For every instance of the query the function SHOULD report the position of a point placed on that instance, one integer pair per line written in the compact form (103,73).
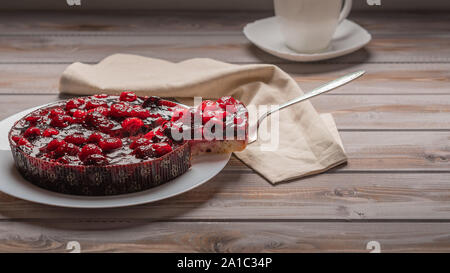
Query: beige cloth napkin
(308,144)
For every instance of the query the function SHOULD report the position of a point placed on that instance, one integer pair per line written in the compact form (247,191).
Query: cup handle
(345,10)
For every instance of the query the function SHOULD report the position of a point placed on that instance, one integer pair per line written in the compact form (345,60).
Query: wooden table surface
(394,123)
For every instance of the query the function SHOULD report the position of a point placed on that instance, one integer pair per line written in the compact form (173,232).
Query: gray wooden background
(206,4)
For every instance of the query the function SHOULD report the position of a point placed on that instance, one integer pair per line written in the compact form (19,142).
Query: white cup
(308,25)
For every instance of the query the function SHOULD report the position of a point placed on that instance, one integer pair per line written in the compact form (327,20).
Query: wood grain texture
(224,237)
(379,78)
(231,48)
(237,196)
(187,22)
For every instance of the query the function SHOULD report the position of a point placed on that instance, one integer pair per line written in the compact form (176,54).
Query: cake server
(253,128)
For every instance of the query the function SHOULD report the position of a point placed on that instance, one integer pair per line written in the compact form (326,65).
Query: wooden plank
(224,237)
(379,79)
(238,196)
(230,48)
(352,112)
(144,22)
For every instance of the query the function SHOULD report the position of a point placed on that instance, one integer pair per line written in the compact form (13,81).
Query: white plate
(203,169)
(265,34)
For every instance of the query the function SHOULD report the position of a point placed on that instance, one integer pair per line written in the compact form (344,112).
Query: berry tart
(107,145)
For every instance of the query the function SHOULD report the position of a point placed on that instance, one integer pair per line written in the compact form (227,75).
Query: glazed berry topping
(139,142)
(102,110)
(91,104)
(77,139)
(95,138)
(161,148)
(95,159)
(128,96)
(110,144)
(120,110)
(32,132)
(50,132)
(89,149)
(132,125)
(74,104)
(54,144)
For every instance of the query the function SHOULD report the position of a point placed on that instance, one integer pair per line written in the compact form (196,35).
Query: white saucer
(265,34)
(12,183)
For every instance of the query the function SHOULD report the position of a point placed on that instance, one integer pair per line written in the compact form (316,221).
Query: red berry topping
(97,120)
(110,144)
(208,105)
(95,138)
(102,110)
(16,138)
(95,159)
(33,119)
(50,132)
(56,112)
(144,151)
(151,101)
(155,135)
(61,121)
(66,149)
(32,132)
(91,104)
(77,139)
(24,142)
(161,148)
(54,144)
(132,125)
(88,150)
(120,110)
(139,142)
(128,96)
(227,100)
(140,113)
(74,104)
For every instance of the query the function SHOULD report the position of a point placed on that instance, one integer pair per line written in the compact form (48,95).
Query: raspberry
(79,116)
(60,121)
(102,110)
(227,100)
(33,119)
(132,125)
(74,104)
(32,132)
(140,113)
(128,96)
(24,142)
(97,120)
(144,151)
(120,110)
(15,138)
(110,144)
(95,159)
(139,142)
(155,135)
(88,150)
(207,115)
(161,148)
(56,112)
(208,105)
(67,148)
(95,138)
(50,132)
(54,144)
(77,139)
(159,121)
(93,103)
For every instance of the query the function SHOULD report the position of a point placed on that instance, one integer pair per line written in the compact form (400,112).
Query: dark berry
(67,149)
(110,144)
(77,139)
(95,159)
(128,96)
(50,132)
(88,150)
(144,151)
(132,125)
(32,132)
(95,138)
(139,142)
(151,102)
(161,148)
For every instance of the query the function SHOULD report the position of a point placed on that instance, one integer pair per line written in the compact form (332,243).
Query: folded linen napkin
(307,144)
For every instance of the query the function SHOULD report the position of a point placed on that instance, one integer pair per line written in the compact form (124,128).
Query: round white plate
(266,35)
(203,169)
